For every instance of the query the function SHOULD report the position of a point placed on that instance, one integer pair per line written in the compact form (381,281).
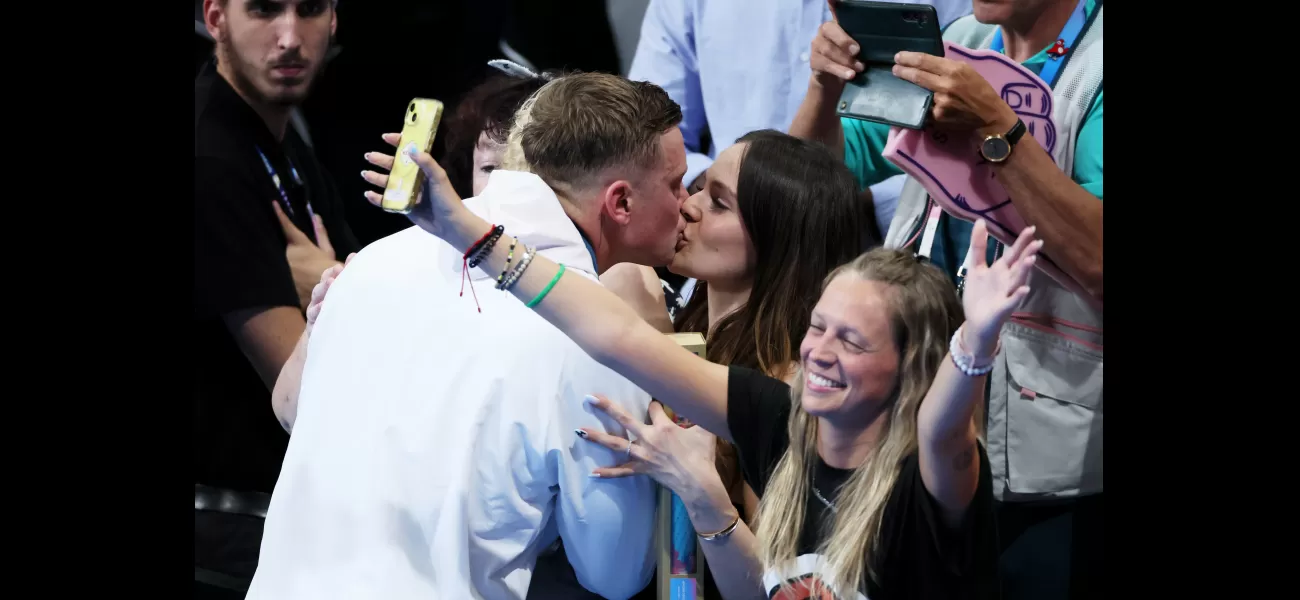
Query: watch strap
(1017,131)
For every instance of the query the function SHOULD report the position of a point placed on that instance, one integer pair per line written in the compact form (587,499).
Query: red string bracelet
(464,272)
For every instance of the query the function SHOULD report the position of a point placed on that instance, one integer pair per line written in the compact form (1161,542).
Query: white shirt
(434,453)
(735,66)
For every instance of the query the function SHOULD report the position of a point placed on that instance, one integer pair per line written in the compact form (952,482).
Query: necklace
(828,503)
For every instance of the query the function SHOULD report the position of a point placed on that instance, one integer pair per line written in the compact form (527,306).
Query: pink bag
(951,168)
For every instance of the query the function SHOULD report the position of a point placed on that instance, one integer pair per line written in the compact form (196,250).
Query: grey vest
(1045,414)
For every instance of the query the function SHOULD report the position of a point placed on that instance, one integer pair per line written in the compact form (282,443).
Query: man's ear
(616,202)
(334,19)
(213,18)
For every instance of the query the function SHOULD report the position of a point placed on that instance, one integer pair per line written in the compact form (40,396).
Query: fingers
(613,472)
(1021,269)
(925,79)
(836,35)
(379,180)
(392,139)
(925,62)
(322,236)
(834,52)
(381,160)
(291,231)
(1017,297)
(317,297)
(613,442)
(620,415)
(374,198)
(657,414)
(977,254)
(432,170)
(1017,249)
(349,260)
(331,273)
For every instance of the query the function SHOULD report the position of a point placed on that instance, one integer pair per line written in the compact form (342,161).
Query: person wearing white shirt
(433,452)
(736,66)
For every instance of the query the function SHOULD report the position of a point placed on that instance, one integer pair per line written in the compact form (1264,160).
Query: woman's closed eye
(488,168)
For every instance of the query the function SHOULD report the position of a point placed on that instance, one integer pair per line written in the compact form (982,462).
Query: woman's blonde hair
(925,311)
(513,158)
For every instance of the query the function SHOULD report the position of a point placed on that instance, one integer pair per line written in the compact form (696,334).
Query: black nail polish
(582,434)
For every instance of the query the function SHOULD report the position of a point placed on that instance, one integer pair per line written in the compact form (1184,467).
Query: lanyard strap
(1069,35)
(1051,70)
(279,186)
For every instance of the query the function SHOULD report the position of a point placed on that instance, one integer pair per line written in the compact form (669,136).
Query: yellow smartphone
(418,129)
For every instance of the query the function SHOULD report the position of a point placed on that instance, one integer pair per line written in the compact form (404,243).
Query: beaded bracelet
(486,249)
(964,360)
(518,271)
(509,257)
(479,244)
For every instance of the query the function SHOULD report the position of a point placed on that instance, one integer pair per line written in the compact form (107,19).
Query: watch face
(995,149)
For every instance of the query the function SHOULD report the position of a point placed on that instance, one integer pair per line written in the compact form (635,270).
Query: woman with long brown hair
(774,216)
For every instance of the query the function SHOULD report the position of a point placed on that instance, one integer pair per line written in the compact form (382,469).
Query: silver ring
(629,450)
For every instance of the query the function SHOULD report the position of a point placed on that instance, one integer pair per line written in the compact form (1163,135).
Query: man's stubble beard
(240,70)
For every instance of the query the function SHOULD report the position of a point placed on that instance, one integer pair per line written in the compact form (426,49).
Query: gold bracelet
(726,531)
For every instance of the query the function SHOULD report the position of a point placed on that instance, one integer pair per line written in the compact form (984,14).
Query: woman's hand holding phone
(436,203)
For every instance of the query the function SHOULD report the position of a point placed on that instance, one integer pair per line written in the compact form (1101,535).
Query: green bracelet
(547,289)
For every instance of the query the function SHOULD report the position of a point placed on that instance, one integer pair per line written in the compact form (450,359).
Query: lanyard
(1066,41)
(284,196)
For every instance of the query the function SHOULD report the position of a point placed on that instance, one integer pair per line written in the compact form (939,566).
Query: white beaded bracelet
(964,360)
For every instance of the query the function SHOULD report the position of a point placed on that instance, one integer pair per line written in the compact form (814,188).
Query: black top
(239,263)
(920,557)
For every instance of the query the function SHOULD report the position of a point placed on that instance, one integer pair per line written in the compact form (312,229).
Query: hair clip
(514,69)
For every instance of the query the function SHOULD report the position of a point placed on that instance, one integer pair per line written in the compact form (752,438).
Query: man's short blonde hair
(578,125)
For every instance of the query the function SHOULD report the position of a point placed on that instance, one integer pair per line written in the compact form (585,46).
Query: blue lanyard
(590,250)
(1068,37)
(279,187)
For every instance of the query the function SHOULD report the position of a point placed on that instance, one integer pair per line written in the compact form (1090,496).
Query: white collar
(530,211)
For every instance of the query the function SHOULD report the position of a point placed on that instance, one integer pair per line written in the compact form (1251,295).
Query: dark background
(389,51)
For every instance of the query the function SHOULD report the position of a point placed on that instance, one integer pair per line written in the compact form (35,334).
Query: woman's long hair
(925,312)
(801,208)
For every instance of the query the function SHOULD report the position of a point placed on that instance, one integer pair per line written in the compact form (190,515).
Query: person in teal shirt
(1052,545)
(864,142)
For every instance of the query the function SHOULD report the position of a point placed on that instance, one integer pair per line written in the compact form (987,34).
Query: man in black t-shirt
(259,193)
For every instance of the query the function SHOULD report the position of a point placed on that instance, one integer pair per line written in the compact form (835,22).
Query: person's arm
(607,526)
(267,337)
(601,324)
(1067,215)
(612,333)
(240,270)
(946,428)
(640,288)
(284,396)
(858,143)
(833,62)
(734,559)
(666,57)
(682,459)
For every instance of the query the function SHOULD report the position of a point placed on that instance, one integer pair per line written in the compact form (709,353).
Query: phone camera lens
(414,116)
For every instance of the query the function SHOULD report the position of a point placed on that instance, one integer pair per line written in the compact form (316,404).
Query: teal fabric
(864,143)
